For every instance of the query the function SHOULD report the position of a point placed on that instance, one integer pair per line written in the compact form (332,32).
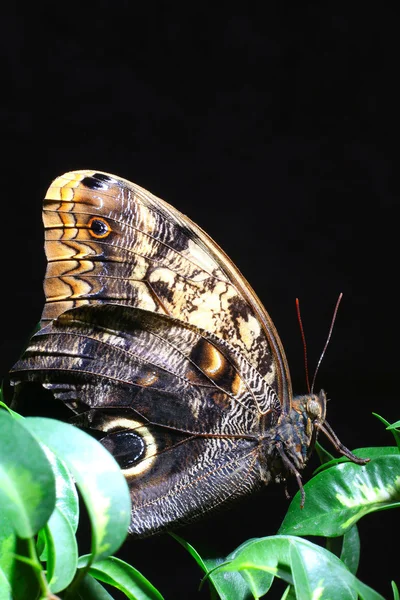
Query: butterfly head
(297,431)
(312,409)
(310,413)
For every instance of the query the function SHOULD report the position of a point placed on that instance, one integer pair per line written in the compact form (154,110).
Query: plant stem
(41,575)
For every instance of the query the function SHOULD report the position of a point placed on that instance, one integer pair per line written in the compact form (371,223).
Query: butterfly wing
(111,241)
(153,337)
(180,408)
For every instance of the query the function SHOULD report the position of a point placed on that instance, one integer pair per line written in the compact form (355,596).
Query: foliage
(43,462)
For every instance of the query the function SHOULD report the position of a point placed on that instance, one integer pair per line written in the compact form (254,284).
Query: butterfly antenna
(303,337)
(327,340)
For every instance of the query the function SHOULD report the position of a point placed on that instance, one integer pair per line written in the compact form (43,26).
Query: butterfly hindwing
(181,477)
(180,407)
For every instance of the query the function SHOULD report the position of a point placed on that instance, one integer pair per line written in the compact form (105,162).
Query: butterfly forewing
(111,241)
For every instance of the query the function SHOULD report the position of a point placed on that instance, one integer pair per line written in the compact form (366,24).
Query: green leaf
(230,585)
(7,545)
(24,579)
(66,500)
(66,495)
(350,554)
(5,587)
(323,455)
(395,425)
(373,452)
(27,486)
(347,547)
(192,551)
(62,551)
(314,572)
(308,587)
(301,583)
(8,409)
(289,593)
(396,595)
(99,479)
(236,584)
(90,589)
(338,497)
(122,576)
(396,434)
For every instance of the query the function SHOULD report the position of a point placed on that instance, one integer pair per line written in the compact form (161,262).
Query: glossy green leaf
(67,501)
(122,576)
(239,585)
(395,425)
(347,548)
(313,571)
(229,585)
(306,584)
(338,497)
(350,554)
(90,589)
(373,452)
(27,486)
(62,551)
(301,582)
(99,479)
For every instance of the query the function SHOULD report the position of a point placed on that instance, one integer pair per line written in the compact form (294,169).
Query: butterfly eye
(313,408)
(99,228)
(126,447)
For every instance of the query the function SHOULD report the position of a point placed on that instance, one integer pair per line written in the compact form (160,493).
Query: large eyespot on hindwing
(99,228)
(131,444)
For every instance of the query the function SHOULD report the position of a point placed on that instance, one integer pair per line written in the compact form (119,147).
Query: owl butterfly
(153,338)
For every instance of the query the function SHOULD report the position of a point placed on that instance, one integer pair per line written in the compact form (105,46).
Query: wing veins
(145,233)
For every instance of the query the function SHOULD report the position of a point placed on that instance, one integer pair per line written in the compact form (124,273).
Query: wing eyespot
(99,228)
(127,447)
(132,445)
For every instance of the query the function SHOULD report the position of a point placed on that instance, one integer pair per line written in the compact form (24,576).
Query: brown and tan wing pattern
(190,408)
(135,357)
(111,241)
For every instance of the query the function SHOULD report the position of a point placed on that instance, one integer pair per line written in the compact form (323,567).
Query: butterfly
(155,340)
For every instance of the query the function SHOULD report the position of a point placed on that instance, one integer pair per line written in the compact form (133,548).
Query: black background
(277,131)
